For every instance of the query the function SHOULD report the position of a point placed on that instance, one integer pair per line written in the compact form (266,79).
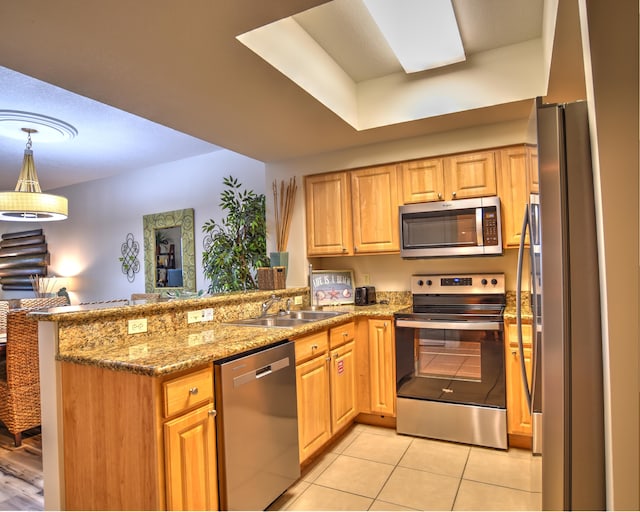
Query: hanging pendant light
(28,203)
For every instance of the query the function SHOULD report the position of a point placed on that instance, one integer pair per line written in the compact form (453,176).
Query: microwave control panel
(490,226)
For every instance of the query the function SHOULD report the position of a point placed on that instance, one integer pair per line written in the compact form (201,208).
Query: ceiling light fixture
(28,203)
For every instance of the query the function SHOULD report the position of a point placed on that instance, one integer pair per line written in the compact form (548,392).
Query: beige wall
(610,43)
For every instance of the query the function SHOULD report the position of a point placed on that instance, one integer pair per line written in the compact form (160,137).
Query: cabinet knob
(439,195)
(314,347)
(385,325)
(193,391)
(453,194)
(513,353)
(328,359)
(345,334)
(213,412)
(344,249)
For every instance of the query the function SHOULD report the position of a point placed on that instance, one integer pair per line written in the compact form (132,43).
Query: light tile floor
(373,468)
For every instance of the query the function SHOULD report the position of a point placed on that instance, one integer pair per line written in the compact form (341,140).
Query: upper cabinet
(356,212)
(328,209)
(453,177)
(517,167)
(352,212)
(374,203)
(422,180)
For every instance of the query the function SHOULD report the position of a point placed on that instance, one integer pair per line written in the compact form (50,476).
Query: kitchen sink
(291,319)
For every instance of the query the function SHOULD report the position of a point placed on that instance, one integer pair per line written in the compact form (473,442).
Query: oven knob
(484,282)
(494,282)
(420,282)
(429,282)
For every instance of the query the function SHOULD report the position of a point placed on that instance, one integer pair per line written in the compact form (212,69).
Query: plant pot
(280,259)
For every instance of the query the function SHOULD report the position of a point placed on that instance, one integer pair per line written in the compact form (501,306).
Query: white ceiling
(169,80)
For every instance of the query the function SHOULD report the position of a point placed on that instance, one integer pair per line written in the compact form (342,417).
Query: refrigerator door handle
(525,381)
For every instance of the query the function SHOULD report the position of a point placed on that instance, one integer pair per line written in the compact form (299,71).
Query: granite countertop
(166,353)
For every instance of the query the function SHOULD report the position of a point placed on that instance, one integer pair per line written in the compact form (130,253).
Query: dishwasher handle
(261,372)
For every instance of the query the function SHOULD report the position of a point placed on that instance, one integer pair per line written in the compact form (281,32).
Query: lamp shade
(32,206)
(27,203)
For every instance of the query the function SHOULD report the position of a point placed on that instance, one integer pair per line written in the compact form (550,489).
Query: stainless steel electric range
(450,368)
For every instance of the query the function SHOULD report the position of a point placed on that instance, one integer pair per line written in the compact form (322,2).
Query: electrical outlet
(194,316)
(297,300)
(207,315)
(137,326)
(365,279)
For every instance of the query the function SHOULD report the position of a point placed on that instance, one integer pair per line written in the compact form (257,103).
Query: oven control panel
(457,283)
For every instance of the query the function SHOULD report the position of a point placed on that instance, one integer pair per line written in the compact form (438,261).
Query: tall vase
(280,259)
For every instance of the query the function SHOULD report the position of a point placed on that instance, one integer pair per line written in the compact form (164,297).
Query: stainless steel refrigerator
(566,392)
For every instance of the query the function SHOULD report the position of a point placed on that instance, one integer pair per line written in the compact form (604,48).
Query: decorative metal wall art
(23,254)
(130,263)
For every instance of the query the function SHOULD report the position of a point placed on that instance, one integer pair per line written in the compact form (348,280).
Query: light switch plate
(137,325)
(207,315)
(297,300)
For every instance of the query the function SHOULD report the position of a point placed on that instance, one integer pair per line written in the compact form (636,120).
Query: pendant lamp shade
(27,203)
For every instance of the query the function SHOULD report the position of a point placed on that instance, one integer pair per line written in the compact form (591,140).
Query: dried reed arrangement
(283,204)
(43,286)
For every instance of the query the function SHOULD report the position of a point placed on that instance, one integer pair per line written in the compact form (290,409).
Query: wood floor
(21,472)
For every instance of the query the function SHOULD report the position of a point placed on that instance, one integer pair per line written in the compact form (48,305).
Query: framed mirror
(169,252)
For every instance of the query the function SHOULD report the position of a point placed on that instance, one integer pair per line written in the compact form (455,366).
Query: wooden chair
(20,372)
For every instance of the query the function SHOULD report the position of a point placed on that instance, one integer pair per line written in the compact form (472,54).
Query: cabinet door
(314,420)
(470,175)
(328,212)
(514,193)
(422,181)
(343,386)
(190,461)
(518,415)
(374,200)
(382,366)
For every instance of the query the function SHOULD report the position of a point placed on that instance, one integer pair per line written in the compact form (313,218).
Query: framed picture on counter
(331,287)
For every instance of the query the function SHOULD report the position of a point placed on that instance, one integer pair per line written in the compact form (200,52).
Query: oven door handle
(458,326)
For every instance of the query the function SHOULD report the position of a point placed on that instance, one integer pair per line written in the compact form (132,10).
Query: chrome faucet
(267,304)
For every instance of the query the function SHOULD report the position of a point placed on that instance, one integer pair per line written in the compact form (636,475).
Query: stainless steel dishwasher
(257,426)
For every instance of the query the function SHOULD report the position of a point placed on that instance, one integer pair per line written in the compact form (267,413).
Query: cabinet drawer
(184,392)
(341,334)
(312,345)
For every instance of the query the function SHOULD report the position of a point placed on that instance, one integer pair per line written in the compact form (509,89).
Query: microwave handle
(525,381)
(479,230)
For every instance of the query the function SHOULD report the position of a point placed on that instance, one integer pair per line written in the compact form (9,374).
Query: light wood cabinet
(422,180)
(453,177)
(326,386)
(382,367)
(518,415)
(328,214)
(374,203)
(517,175)
(190,455)
(470,175)
(314,410)
(343,386)
(121,450)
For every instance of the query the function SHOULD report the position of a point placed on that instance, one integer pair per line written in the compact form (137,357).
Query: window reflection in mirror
(169,253)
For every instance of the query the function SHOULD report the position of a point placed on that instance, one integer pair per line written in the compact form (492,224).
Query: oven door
(455,362)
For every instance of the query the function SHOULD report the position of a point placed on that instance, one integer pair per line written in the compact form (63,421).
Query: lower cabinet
(190,461)
(326,386)
(135,442)
(375,376)
(518,415)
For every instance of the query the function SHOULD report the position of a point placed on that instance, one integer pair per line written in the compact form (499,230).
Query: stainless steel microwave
(465,227)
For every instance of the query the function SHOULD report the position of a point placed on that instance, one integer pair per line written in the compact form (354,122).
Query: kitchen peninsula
(114,403)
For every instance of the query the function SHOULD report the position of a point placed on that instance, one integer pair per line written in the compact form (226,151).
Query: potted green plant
(237,245)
